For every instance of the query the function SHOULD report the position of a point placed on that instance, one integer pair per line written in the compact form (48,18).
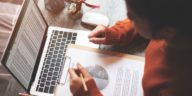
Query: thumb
(82,70)
(98,40)
(98,31)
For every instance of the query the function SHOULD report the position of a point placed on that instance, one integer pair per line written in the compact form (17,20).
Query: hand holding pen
(78,78)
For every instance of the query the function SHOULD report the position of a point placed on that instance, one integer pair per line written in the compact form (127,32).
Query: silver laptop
(35,53)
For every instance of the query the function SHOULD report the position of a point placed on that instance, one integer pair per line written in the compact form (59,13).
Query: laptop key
(54,56)
(53,60)
(46,90)
(58,60)
(69,36)
(54,37)
(74,34)
(58,40)
(56,48)
(62,43)
(60,36)
(37,87)
(55,73)
(56,69)
(60,56)
(44,75)
(68,42)
(53,41)
(72,42)
(57,44)
(47,83)
(48,78)
(42,84)
(65,34)
(51,90)
(50,74)
(54,78)
(46,66)
(55,52)
(56,32)
(45,71)
(40,90)
(60,32)
(74,38)
(51,69)
(50,53)
(53,83)
(42,79)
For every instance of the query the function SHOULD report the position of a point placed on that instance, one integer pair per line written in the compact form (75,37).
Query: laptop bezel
(12,39)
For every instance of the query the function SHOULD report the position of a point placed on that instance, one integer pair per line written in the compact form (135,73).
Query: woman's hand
(75,80)
(97,36)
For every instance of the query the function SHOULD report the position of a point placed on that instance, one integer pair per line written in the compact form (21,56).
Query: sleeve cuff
(121,33)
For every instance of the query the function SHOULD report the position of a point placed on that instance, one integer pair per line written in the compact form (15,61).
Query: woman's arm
(120,34)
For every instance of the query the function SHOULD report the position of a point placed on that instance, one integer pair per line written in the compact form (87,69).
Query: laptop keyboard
(54,60)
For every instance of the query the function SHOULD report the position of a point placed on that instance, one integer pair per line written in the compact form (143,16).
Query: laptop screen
(25,42)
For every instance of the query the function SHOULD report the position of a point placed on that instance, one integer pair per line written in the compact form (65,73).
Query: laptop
(35,53)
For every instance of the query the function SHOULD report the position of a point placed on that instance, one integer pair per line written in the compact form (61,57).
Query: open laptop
(35,53)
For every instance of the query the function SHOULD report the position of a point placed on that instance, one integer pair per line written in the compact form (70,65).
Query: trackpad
(63,86)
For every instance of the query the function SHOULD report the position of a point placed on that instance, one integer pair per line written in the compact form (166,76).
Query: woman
(168,64)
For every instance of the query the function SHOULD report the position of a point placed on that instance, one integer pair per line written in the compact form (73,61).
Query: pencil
(24,94)
(83,81)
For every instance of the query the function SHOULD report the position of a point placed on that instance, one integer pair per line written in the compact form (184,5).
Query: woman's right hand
(75,80)
(98,36)
(76,85)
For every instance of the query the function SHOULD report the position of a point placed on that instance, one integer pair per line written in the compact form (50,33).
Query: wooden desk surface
(113,9)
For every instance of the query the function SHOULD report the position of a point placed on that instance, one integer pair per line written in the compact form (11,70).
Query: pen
(24,94)
(83,81)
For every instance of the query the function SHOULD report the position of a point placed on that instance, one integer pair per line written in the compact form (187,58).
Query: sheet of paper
(115,74)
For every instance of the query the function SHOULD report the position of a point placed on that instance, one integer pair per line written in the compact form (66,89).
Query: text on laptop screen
(24,51)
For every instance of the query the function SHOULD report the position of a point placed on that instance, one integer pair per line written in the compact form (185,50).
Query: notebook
(35,53)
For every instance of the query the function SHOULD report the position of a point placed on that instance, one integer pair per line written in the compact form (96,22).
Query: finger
(72,73)
(98,40)
(82,70)
(98,31)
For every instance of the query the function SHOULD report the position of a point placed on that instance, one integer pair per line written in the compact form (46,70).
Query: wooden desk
(115,10)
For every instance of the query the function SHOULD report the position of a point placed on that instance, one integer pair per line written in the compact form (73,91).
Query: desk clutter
(74,8)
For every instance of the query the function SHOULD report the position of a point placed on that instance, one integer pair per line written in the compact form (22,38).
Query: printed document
(115,74)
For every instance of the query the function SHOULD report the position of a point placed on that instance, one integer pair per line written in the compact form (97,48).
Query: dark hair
(164,13)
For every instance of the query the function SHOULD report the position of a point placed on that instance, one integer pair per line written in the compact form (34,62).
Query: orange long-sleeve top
(167,72)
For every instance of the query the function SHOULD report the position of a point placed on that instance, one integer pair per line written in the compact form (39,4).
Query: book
(115,74)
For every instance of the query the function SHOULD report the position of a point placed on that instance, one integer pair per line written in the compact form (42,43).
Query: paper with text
(115,74)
